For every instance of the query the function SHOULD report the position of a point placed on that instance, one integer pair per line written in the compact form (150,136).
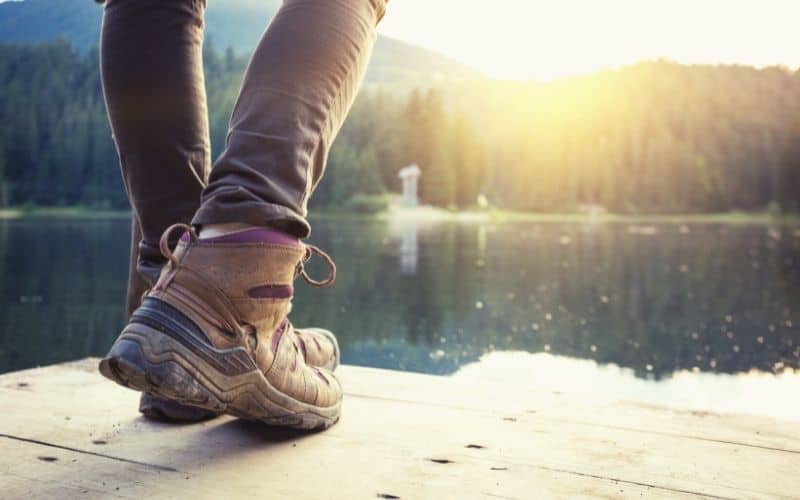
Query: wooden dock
(65,432)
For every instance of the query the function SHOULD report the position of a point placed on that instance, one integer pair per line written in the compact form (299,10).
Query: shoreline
(435,215)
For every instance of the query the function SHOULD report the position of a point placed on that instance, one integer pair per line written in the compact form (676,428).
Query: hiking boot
(213,332)
(319,348)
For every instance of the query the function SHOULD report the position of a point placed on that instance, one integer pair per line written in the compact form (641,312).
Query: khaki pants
(296,92)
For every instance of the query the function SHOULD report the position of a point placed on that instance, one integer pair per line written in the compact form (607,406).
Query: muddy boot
(319,348)
(213,333)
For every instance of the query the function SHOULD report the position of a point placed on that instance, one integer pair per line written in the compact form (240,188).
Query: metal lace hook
(310,250)
(163,245)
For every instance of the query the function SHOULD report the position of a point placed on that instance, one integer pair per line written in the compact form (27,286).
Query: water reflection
(754,392)
(435,296)
(653,298)
(407,230)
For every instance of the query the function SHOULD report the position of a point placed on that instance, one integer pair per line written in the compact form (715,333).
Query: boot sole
(162,352)
(167,410)
(158,408)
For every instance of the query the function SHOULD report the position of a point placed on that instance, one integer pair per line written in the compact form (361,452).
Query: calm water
(637,311)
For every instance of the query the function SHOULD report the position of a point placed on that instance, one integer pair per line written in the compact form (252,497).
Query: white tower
(410,177)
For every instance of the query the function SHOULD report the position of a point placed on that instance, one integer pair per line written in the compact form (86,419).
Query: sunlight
(545,39)
(752,392)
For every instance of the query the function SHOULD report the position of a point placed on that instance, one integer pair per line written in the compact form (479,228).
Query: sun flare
(546,39)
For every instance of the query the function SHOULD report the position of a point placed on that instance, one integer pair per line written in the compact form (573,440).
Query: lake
(695,315)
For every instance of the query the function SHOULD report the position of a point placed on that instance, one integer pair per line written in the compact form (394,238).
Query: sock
(215,230)
(245,233)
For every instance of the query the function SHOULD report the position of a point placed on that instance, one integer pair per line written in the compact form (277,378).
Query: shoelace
(310,251)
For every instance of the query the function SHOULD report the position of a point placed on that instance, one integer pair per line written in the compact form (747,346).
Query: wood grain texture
(66,432)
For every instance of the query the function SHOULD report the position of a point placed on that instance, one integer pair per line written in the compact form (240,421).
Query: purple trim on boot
(255,235)
(271,292)
(276,337)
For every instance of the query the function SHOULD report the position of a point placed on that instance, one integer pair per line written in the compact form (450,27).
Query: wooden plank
(583,409)
(74,475)
(407,435)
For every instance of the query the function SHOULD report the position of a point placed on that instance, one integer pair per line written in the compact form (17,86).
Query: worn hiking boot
(319,348)
(213,332)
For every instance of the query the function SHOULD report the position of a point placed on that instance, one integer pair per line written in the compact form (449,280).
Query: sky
(547,39)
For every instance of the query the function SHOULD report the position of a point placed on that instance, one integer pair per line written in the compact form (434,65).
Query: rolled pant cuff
(257,213)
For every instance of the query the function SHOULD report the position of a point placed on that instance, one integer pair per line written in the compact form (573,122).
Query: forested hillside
(655,137)
(237,24)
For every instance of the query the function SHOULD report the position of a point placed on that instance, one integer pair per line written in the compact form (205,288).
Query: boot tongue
(254,235)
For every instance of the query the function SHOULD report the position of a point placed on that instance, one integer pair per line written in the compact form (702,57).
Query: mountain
(229,23)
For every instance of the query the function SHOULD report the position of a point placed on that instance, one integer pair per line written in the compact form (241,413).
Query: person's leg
(296,93)
(152,73)
(161,130)
(213,331)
